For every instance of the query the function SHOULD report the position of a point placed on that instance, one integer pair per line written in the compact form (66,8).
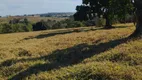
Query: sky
(20,7)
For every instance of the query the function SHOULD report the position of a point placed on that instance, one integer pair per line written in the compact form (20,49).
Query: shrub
(89,23)
(68,23)
(5,28)
(40,26)
(29,27)
(50,24)
(78,24)
(21,27)
(100,22)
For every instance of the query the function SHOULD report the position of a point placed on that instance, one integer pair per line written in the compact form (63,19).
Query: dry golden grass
(31,19)
(21,51)
(45,44)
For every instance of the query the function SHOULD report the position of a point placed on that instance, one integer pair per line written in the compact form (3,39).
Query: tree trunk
(138,31)
(108,24)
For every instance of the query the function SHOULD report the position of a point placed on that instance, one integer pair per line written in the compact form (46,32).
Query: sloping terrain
(71,54)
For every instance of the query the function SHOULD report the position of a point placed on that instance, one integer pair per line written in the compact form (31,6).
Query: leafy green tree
(107,8)
(82,13)
(120,8)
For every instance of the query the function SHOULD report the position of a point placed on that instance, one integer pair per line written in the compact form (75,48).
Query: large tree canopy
(82,13)
(107,8)
(111,8)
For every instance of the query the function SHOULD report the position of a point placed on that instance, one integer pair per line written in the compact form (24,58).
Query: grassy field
(71,54)
(30,18)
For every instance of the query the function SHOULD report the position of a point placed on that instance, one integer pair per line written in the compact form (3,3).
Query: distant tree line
(67,23)
(52,24)
(24,25)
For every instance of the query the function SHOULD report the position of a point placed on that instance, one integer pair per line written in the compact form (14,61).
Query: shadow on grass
(69,31)
(120,26)
(66,57)
(62,33)
(48,35)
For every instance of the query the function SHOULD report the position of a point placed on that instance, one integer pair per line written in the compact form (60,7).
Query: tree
(107,8)
(101,7)
(82,13)
(138,6)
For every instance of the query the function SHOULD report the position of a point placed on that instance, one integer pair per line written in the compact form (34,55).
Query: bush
(77,24)
(68,23)
(89,23)
(40,26)
(5,28)
(100,22)
(16,25)
(50,23)
(19,27)
(59,25)
(29,27)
